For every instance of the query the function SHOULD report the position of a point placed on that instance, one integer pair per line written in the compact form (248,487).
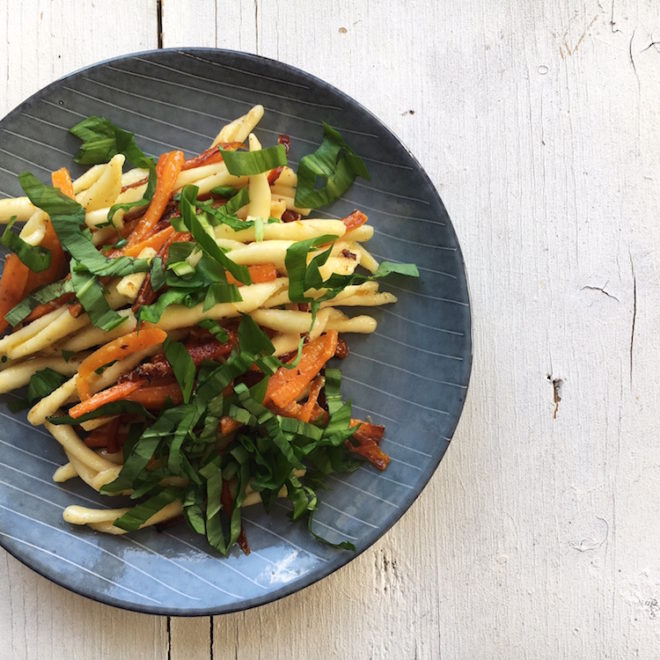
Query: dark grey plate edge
(345,557)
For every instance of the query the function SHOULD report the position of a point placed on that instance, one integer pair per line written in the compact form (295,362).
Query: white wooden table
(539,122)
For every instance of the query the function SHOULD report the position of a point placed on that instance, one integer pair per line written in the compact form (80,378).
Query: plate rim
(317,575)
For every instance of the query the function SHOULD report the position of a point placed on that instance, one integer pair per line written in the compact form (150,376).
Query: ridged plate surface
(411,375)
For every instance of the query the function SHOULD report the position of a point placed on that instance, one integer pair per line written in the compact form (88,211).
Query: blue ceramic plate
(411,375)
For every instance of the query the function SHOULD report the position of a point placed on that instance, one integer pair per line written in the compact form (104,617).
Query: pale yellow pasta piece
(19,374)
(129,285)
(76,448)
(64,473)
(21,207)
(63,325)
(29,331)
(171,510)
(105,477)
(51,403)
(195,174)
(360,234)
(299,230)
(285,343)
(92,424)
(290,203)
(133,176)
(88,178)
(364,300)
(259,205)
(291,321)
(366,259)
(239,129)
(86,473)
(220,178)
(359,324)
(93,336)
(280,189)
(34,230)
(261,253)
(106,188)
(277,208)
(287,177)
(82,515)
(132,194)
(101,236)
(98,218)
(254,295)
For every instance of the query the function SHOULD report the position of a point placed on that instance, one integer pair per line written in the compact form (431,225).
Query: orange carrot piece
(310,405)
(168,170)
(109,395)
(365,442)
(62,181)
(42,310)
(117,349)
(105,436)
(156,241)
(12,284)
(154,397)
(228,425)
(354,220)
(211,155)
(58,263)
(286,385)
(258,272)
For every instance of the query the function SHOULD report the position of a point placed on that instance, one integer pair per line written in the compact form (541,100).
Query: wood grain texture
(540,125)
(39,42)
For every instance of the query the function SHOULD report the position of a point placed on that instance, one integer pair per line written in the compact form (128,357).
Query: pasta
(174,323)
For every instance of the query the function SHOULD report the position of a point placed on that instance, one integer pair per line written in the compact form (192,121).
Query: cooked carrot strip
(42,310)
(286,385)
(310,405)
(211,155)
(62,181)
(354,220)
(228,425)
(154,397)
(367,432)
(12,284)
(58,263)
(117,349)
(365,443)
(109,395)
(156,241)
(258,272)
(104,436)
(168,169)
(372,452)
(75,310)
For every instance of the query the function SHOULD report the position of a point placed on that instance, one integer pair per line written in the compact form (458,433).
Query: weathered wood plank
(39,41)
(538,122)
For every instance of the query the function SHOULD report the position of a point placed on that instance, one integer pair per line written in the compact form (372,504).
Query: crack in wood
(602,289)
(634,315)
(169,632)
(159,22)
(211,640)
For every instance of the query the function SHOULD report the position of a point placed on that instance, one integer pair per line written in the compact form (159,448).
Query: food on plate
(173,322)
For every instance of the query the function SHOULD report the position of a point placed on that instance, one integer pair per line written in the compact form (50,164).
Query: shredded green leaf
(182,366)
(36,258)
(245,163)
(137,516)
(41,296)
(335,163)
